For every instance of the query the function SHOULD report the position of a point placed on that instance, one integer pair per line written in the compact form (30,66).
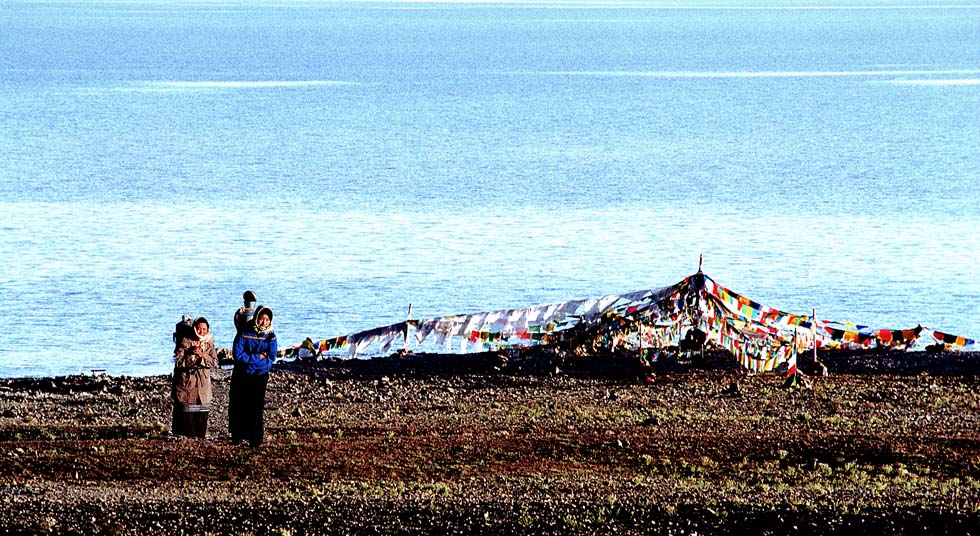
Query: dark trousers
(246,406)
(190,423)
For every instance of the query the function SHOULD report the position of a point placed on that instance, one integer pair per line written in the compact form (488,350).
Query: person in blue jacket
(255,351)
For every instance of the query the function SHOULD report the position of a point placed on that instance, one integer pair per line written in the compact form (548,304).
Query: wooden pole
(408,318)
(818,367)
(813,331)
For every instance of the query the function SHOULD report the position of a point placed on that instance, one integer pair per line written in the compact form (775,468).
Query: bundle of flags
(760,337)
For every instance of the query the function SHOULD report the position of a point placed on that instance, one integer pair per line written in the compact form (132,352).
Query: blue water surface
(345,159)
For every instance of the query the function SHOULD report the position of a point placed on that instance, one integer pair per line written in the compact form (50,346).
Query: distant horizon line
(568,4)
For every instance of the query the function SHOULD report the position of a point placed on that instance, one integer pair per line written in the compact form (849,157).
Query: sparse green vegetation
(536,455)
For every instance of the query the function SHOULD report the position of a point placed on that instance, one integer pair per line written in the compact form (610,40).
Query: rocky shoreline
(885,443)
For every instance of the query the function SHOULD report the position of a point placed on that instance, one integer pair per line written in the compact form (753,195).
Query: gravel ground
(886,443)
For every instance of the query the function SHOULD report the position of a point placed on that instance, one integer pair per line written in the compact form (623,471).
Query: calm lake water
(343,160)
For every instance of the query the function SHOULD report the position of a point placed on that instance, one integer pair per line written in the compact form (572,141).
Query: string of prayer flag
(759,337)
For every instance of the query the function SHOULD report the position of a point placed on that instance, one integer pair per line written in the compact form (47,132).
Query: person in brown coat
(194,358)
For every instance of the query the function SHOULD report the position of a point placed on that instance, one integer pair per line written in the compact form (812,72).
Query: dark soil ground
(884,444)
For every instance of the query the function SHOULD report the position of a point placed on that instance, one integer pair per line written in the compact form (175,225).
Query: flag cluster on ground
(760,337)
